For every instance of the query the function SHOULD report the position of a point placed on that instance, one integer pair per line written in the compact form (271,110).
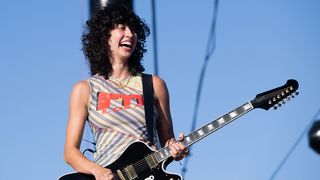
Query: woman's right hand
(101,173)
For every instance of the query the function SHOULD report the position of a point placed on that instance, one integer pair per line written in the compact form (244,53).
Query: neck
(120,69)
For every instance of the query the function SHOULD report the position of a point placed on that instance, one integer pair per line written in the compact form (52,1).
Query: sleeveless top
(116,116)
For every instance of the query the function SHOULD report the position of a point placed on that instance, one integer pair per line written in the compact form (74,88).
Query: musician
(111,98)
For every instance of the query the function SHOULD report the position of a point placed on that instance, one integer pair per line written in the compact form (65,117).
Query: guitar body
(133,153)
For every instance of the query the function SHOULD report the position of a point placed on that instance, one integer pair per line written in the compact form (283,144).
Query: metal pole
(155,48)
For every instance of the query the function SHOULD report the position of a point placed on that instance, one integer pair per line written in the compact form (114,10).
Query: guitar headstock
(275,97)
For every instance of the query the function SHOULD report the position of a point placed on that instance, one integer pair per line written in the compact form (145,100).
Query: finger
(174,151)
(182,148)
(178,146)
(181,136)
(110,176)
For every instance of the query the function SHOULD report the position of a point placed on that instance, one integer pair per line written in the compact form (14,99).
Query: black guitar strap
(148,99)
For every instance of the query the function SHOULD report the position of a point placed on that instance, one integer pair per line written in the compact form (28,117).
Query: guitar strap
(148,99)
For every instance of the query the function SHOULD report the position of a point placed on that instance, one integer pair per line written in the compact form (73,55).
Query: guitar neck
(207,129)
(216,124)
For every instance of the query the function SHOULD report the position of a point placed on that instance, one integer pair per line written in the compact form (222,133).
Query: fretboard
(206,130)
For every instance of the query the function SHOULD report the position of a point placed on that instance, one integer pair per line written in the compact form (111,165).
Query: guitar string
(139,166)
(142,165)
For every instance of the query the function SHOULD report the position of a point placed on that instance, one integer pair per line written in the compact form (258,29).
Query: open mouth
(126,44)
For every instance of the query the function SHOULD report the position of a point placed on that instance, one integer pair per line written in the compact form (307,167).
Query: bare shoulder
(160,87)
(158,81)
(81,90)
(81,87)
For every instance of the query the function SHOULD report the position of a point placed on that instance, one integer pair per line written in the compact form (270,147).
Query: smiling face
(122,42)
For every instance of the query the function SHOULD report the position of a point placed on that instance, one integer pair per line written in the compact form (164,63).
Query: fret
(215,124)
(162,154)
(247,106)
(210,126)
(221,120)
(226,117)
(195,135)
(205,129)
(233,114)
(240,110)
(188,139)
(200,132)
(192,137)
(167,152)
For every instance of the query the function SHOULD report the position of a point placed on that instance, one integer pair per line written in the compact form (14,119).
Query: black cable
(294,146)
(88,149)
(211,45)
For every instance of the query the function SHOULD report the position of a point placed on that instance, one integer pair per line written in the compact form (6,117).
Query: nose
(129,33)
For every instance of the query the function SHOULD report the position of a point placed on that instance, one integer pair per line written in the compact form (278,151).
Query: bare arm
(165,126)
(75,127)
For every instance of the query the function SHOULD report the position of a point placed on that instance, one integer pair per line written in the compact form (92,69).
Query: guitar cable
(88,149)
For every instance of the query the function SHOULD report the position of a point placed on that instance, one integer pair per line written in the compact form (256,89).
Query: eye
(121,26)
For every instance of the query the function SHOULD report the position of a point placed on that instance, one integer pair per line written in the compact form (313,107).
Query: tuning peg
(279,104)
(278,96)
(283,93)
(283,101)
(288,98)
(274,99)
(270,102)
(275,107)
(287,91)
(296,93)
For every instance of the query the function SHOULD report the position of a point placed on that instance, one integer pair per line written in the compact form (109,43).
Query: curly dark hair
(95,38)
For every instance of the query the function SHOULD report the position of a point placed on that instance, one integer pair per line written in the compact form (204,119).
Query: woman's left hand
(178,149)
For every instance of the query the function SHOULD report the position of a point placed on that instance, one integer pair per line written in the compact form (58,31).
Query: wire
(211,45)
(294,146)
(90,150)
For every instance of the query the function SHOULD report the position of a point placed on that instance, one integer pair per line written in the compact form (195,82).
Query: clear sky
(259,46)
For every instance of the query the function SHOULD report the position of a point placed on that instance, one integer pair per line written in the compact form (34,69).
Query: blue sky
(259,46)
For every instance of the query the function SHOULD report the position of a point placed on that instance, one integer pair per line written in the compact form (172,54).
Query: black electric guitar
(140,162)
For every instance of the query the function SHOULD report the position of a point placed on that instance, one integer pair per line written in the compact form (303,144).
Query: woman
(111,98)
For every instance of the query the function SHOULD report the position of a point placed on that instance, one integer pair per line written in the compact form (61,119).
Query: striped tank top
(116,116)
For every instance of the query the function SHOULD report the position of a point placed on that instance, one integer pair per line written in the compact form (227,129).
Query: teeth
(126,44)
